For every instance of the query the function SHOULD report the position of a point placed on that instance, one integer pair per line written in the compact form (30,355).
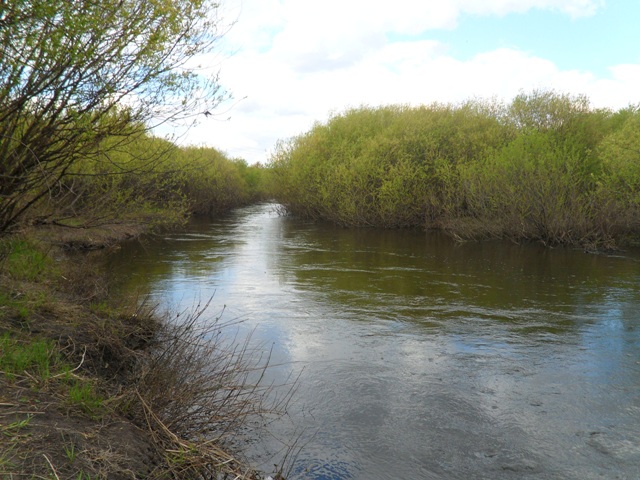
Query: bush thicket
(74,74)
(149,180)
(545,167)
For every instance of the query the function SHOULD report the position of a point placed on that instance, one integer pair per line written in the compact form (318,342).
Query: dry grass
(197,389)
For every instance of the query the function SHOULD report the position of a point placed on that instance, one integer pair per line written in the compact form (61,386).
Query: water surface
(421,358)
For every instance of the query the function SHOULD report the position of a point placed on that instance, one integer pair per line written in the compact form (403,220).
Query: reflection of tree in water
(410,274)
(421,276)
(411,343)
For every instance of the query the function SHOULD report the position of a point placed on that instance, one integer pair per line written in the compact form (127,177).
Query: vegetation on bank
(77,103)
(93,386)
(546,167)
(142,180)
(150,181)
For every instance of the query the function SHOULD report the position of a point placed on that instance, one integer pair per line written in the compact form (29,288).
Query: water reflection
(423,358)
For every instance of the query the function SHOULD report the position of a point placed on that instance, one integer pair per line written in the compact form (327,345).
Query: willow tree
(74,72)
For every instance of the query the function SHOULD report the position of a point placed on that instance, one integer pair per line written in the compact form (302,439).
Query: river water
(420,358)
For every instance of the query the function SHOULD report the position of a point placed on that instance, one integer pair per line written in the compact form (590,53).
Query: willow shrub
(390,166)
(209,180)
(213,183)
(144,179)
(618,189)
(533,188)
(546,167)
(551,182)
(128,179)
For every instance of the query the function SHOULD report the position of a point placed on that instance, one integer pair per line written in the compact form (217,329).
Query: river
(420,358)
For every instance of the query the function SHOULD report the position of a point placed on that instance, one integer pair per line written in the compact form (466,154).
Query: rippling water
(420,358)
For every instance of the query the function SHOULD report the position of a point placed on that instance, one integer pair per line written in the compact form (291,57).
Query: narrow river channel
(421,358)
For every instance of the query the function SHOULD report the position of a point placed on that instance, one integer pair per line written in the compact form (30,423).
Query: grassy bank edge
(93,386)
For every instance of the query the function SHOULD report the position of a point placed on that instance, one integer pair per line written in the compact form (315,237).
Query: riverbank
(546,168)
(93,386)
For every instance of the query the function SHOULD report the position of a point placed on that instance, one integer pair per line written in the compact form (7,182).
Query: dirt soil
(42,433)
(69,238)
(61,443)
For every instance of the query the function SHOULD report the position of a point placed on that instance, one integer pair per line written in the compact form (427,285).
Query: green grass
(40,361)
(70,451)
(13,428)
(24,260)
(101,308)
(15,303)
(6,457)
(36,358)
(13,432)
(83,394)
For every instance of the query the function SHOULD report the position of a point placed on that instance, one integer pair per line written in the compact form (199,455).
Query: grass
(15,426)
(38,363)
(70,451)
(24,259)
(101,307)
(13,433)
(83,394)
(6,460)
(34,359)
(15,303)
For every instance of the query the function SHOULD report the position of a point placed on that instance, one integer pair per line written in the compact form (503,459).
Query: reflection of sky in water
(617,332)
(423,359)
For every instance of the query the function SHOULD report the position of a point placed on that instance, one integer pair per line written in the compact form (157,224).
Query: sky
(290,63)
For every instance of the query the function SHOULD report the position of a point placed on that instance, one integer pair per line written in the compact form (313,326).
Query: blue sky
(290,63)
(592,43)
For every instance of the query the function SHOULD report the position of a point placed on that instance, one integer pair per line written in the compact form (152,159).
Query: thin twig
(51,465)
(71,371)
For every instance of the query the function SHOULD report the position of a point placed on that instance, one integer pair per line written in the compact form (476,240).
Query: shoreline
(78,370)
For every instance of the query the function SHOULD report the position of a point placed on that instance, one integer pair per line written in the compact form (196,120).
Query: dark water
(420,358)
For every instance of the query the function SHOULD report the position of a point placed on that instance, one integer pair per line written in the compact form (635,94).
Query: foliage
(148,180)
(84,395)
(133,180)
(546,167)
(75,73)
(213,183)
(618,189)
(391,166)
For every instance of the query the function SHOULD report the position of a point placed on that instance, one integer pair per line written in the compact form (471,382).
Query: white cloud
(306,25)
(618,91)
(297,61)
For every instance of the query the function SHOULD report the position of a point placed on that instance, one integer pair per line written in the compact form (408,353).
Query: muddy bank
(94,238)
(79,379)
(87,353)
